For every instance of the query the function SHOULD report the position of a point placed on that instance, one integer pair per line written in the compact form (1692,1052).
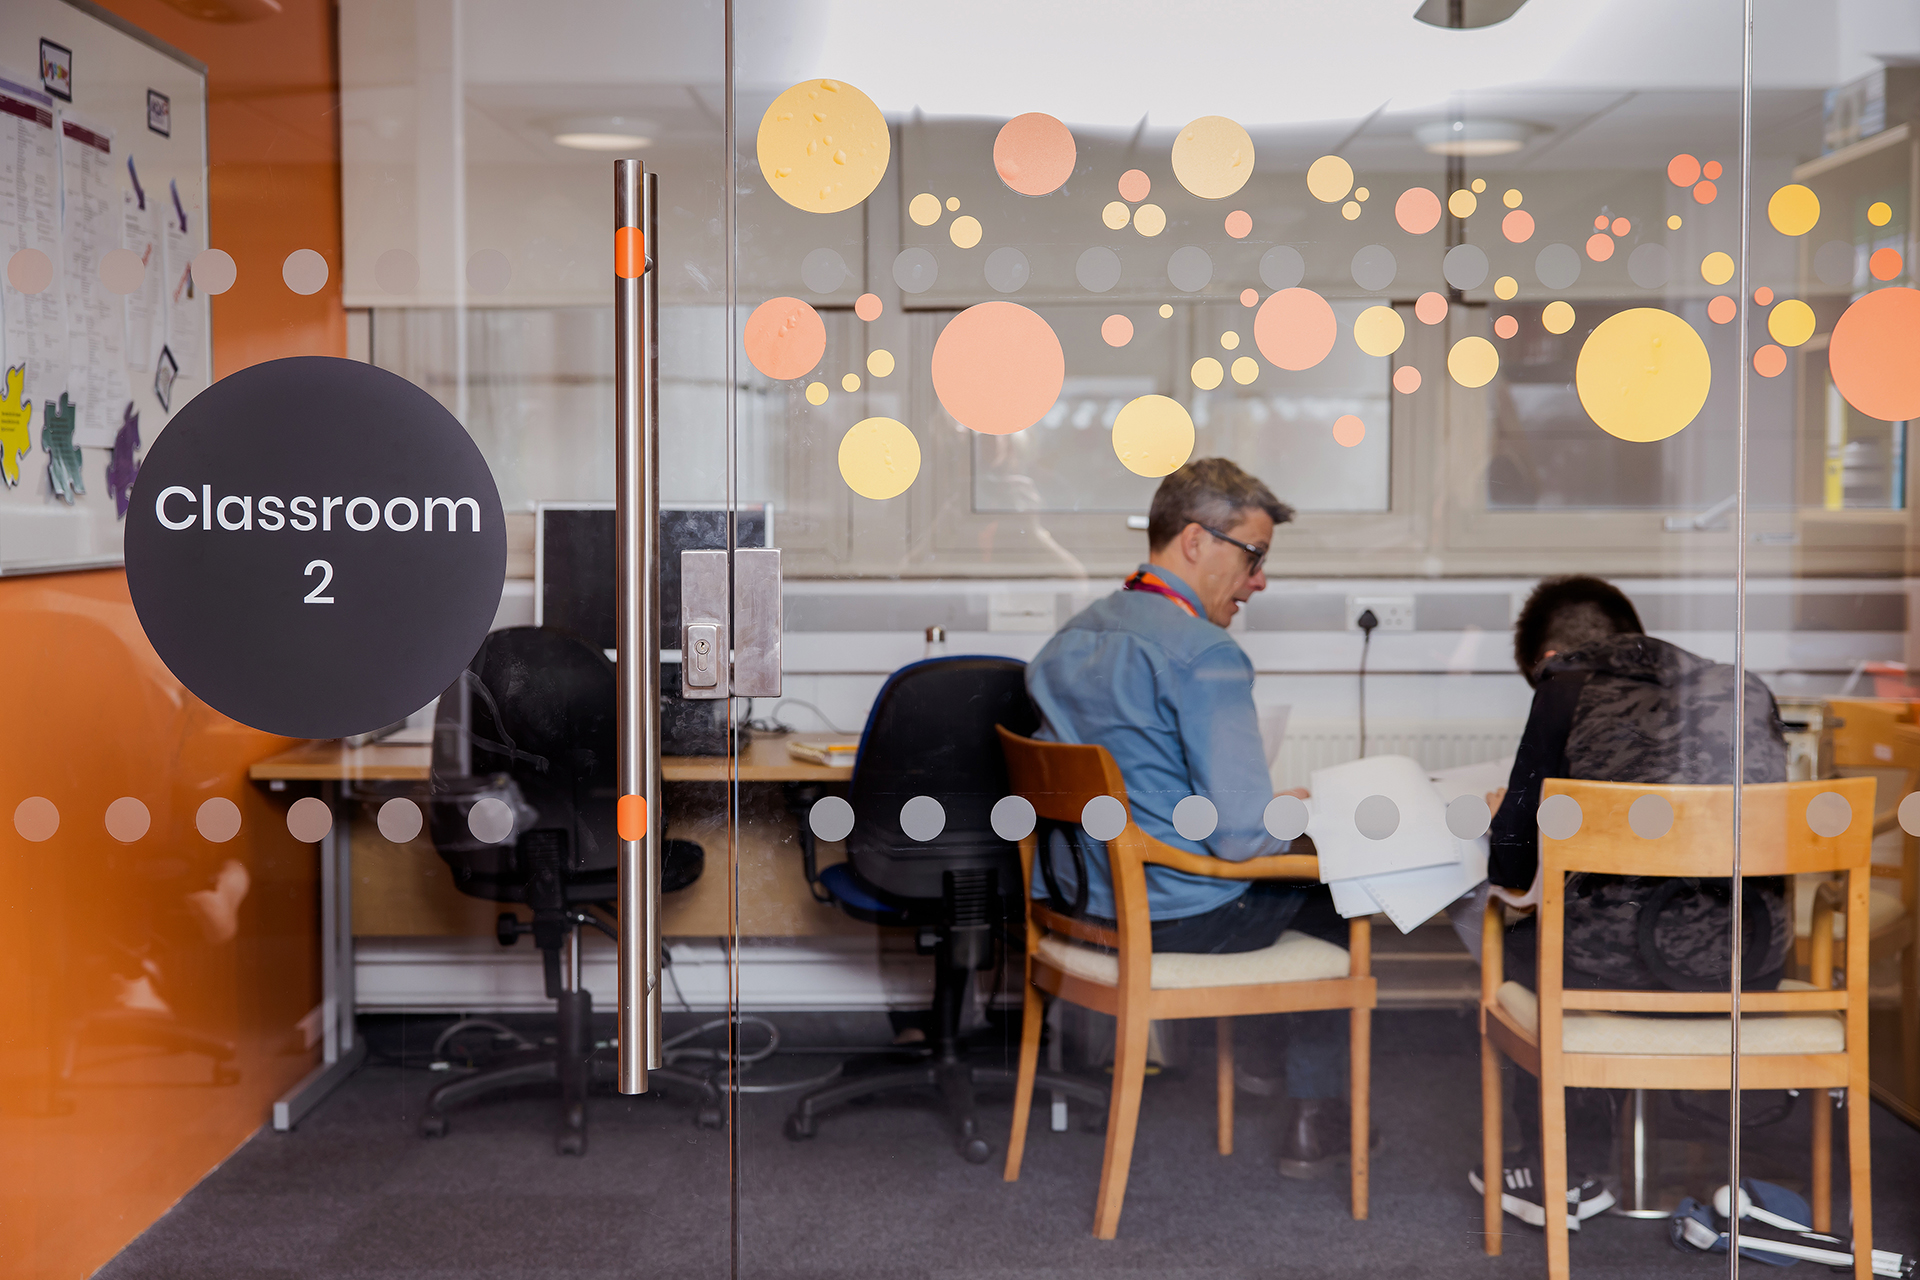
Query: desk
(336,767)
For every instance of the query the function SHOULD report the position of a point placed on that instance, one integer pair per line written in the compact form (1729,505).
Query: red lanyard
(1144,581)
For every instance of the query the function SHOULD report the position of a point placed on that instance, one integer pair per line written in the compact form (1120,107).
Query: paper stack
(1402,860)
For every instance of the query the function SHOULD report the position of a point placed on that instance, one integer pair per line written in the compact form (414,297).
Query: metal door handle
(637,616)
(730,649)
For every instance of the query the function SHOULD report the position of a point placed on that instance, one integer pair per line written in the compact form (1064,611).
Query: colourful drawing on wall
(122,470)
(63,456)
(16,421)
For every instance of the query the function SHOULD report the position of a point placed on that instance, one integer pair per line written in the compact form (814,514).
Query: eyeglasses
(1256,556)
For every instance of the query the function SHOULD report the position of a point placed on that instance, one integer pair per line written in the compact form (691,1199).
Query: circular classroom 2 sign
(315,546)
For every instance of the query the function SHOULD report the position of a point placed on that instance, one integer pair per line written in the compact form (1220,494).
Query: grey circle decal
(315,547)
(1189,269)
(922,818)
(1103,818)
(1282,267)
(1007,269)
(914,270)
(1650,816)
(1373,267)
(831,818)
(1195,817)
(1013,818)
(1286,817)
(1468,817)
(1377,817)
(1829,814)
(1098,269)
(1559,817)
(1650,266)
(1465,266)
(823,271)
(1557,266)
(1833,263)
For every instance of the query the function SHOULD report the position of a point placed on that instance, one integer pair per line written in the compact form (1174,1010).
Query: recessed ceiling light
(1472,137)
(603,133)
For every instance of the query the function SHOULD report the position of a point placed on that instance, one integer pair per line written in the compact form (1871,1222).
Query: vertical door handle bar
(637,616)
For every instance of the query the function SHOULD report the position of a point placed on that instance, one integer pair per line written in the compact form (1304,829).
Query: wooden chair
(1807,1037)
(1128,981)
(1880,738)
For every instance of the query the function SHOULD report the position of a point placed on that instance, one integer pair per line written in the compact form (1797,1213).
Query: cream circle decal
(924,209)
(1556,317)
(823,146)
(1150,220)
(1245,370)
(964,231)
(1295,329)
(1871,354)
(1329,178)
(879,458)
(1213,157)
(1643,374)
(1473,362)
(1207,373)
(1153,436)
(1034,154)
(785,338)
(998,367)
(1379,331)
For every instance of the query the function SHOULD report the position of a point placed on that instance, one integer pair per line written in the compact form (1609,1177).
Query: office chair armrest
(1279,866)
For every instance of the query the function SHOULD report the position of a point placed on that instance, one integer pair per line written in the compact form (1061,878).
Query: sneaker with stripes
(1520,1195)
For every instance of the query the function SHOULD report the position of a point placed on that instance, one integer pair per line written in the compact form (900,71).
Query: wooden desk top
(765,760)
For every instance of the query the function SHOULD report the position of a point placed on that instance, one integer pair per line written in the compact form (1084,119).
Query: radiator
(1436,744)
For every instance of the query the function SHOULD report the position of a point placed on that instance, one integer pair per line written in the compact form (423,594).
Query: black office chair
(931,733)
(531,724)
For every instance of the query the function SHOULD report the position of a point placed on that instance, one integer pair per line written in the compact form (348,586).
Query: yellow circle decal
(1245,370)
(1149,219)
(1505,287)
(880,363)
(850,383)
(965,231)
(1793,210)
(1213,157)
(1379,331)
(1329,178)
(1153,436)
(924,209)
(1643,374)
(823,146)
(1473,362)
(1462,203)
(1115,215)
(1207,373)
(816,393)
(879,458)
(1790,323)
(1557,317)
(1879,213)
(1716,268)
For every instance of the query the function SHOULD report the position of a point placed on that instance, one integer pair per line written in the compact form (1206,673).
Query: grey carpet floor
(355,1192)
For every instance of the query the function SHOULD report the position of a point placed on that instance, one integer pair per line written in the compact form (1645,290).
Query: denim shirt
(1171,697)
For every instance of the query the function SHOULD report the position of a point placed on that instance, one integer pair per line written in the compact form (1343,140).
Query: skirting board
(478,975)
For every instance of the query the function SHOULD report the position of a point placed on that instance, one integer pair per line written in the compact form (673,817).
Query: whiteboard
(89,371)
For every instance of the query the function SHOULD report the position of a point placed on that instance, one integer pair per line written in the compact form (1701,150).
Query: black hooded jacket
(1635,709)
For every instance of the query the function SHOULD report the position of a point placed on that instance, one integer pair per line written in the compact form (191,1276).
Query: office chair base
(537,1067)
(955,1082)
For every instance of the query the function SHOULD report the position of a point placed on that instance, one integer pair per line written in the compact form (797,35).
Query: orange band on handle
(630,817)
(629,254)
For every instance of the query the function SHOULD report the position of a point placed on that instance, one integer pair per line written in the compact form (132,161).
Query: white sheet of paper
(1273,729)
(1350,898)
(96,328)
(1411,898)
(1473,779)
(1420,840)
(36,324)
(140,232)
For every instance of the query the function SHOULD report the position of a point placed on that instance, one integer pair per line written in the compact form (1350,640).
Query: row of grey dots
(1377,817)
(304,271)
(309,819)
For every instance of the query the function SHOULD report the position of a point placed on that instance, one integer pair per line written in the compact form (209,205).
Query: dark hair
(1208,491)
(1565,613)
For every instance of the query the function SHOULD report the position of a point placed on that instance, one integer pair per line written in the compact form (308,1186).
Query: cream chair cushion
(1586,1031)
(1296,957)
(1884,909)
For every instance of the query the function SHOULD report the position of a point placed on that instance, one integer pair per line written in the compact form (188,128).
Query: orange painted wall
(89,925)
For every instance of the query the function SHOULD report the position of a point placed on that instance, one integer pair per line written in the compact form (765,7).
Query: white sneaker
(1521,1196)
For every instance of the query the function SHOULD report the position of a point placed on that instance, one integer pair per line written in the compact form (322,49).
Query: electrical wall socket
(1395,612)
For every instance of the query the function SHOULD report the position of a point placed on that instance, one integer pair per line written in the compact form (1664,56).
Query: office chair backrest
(932,733)
(530,722)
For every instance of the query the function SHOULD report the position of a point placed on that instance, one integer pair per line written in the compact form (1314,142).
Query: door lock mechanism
(730,624)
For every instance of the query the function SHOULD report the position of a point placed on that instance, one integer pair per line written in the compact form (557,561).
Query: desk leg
(342,1051)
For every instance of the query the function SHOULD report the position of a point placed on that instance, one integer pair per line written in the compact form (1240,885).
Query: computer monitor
(574,564)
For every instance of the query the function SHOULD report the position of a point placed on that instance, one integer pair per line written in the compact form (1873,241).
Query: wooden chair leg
(1031,1019)
(1223,1081)
(1123,1115)
(1860,1173)
(1822,1159)
(1491,1139)
(1359,1102)
(1553,1174)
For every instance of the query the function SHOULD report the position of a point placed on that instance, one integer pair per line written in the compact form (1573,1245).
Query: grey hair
(1208,491)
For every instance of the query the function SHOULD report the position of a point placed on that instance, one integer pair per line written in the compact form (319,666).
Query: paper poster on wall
(140,234)
(89,227)
(35,322)
(183,306)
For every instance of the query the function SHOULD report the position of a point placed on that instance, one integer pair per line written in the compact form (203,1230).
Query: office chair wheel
(708,1117)
(799,1127)
(975,1151)
(433,1125)
(571,1144)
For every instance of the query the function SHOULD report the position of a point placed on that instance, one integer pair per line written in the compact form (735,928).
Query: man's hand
(1495,798)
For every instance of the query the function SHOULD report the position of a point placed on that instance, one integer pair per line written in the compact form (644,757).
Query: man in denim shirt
(1151,674)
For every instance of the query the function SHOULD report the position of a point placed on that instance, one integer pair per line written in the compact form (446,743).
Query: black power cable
(1366,622)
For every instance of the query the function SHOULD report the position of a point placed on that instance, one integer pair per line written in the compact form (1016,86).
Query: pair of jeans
(1316,1057)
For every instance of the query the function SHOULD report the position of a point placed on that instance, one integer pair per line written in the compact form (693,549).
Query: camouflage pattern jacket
(1636,709)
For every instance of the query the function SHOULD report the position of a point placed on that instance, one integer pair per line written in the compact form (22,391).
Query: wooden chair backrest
(1867,736)
(1058,779)
(1776,839)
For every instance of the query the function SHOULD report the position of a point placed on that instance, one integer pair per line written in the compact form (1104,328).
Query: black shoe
(1318,1136)
(1521,1191)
